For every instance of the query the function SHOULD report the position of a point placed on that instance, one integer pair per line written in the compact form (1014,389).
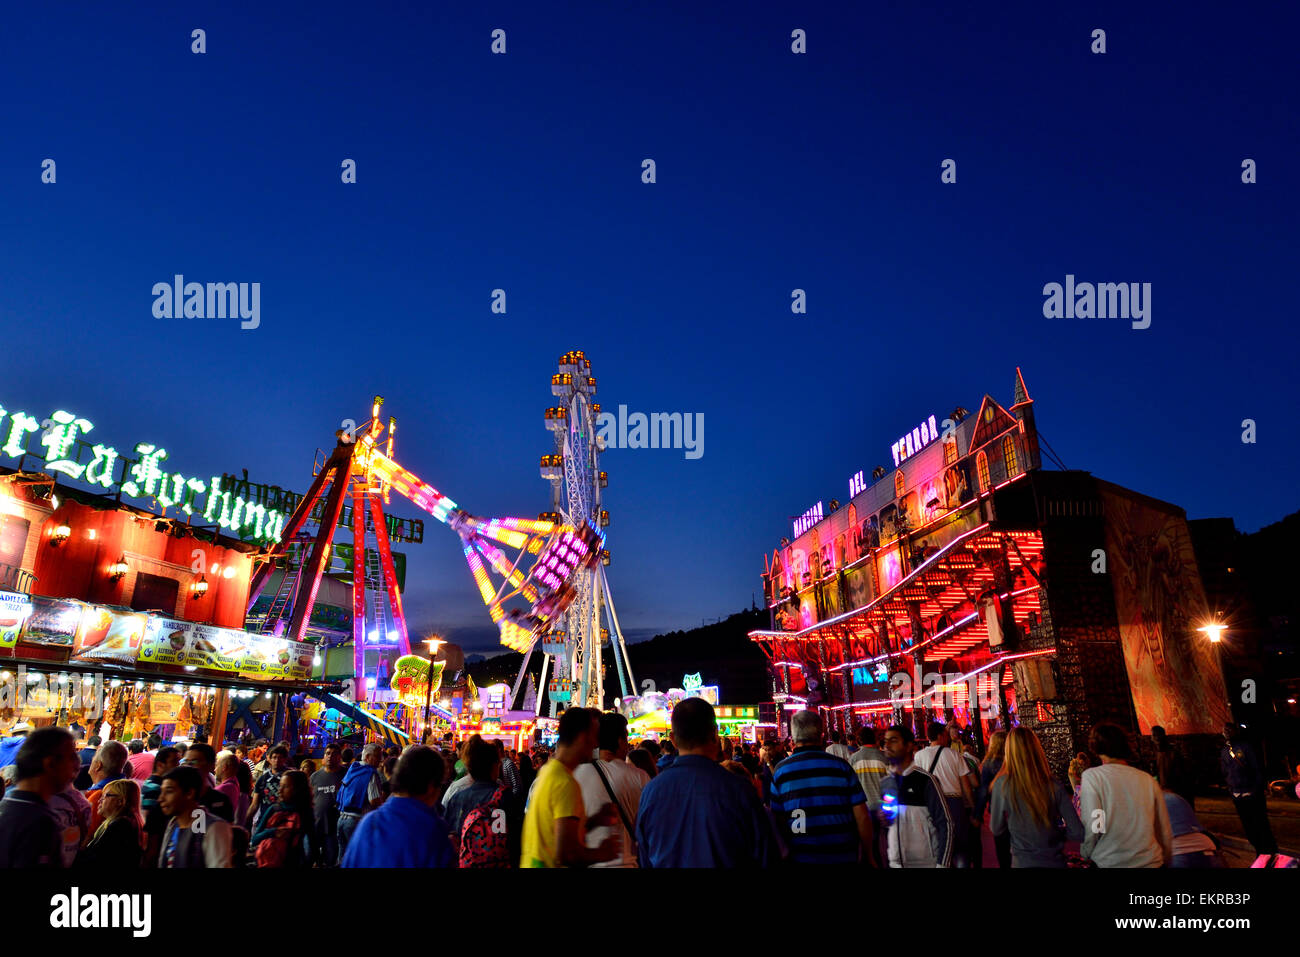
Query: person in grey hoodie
(1029,804)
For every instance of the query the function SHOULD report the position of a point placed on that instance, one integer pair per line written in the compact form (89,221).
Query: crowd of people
(595,799)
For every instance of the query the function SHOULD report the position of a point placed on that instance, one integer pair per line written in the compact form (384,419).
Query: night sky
(775,171)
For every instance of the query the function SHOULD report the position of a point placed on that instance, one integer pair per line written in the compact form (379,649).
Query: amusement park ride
(552,590)
(573,644)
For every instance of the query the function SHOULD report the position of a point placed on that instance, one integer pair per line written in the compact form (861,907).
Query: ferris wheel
(573,645)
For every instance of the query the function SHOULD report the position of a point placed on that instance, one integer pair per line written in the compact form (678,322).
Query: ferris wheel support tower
(574,645)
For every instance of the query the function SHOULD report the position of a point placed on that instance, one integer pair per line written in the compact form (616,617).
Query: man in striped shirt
(818,801)
(869,764)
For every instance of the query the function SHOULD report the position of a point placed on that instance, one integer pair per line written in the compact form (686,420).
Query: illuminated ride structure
(573,643)
(537,585)
(921,596)
(972,586)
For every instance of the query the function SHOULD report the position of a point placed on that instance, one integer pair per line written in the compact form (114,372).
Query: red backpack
(483,835)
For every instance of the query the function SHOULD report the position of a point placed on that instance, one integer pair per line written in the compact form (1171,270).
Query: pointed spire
(1022,394)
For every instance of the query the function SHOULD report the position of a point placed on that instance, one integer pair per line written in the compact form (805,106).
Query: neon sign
(857,485)
(808,519)
(692,682)
(914,441)
(142,477)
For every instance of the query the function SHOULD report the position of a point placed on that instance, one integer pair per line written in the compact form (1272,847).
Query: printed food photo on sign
(165,641)
(256,656)
(53,621)
(205,646)
(110,635)
(231,645)
(277,656)
(14,612)
(303,658)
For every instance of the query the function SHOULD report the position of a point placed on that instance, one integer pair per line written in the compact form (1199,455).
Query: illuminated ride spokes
(573,644)
(536,584)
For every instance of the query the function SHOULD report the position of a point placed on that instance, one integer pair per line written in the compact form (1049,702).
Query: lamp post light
(434,644)
(1214,631)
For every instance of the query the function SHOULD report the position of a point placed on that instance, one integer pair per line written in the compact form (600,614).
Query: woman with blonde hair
(117,843)
(1030,805)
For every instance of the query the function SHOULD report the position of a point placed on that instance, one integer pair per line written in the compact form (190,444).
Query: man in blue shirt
(818,802)
(695,813)
(406,831)
(10,746)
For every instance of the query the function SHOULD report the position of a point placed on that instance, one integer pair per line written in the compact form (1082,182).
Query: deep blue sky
(775,171)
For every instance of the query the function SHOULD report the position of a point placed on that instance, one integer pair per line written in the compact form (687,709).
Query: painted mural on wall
(1173,669)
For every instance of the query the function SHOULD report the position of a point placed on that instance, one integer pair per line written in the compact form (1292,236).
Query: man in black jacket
(1245,778)
(29,834)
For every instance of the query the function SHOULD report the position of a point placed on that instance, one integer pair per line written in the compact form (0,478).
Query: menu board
(164,707)
(220,649)
(53,621)
(165,642)
(110,635)
(278,658)
(14,612)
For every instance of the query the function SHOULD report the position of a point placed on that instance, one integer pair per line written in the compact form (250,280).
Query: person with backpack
(956,782)
(406,830)
(361,791)
(483,841)
(484,771)
(193,837)
(611,779)
(283,839)
(266,789)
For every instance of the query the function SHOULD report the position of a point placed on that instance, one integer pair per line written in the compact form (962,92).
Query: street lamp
(1214,631)
(434,644)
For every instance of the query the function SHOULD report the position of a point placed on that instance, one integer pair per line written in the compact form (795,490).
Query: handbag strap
(614,797)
